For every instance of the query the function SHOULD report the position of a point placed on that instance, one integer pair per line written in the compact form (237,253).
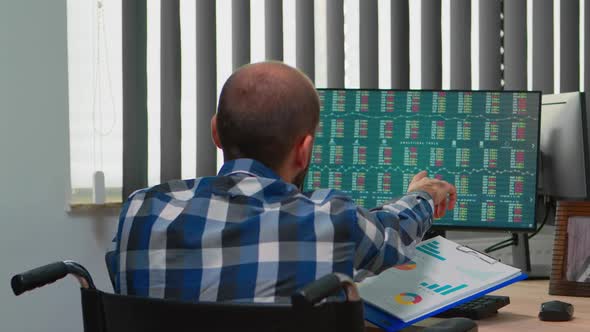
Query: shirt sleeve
(388,235)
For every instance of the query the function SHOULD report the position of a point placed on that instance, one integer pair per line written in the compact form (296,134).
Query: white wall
(35,229)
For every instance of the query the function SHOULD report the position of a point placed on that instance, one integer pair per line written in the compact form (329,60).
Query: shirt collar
(247,166)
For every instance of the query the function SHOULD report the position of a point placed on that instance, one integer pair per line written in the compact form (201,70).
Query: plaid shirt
(246,235)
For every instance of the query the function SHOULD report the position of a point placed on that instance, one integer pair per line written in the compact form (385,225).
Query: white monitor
(563,172)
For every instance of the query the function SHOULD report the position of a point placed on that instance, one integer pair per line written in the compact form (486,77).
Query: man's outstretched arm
(388,235)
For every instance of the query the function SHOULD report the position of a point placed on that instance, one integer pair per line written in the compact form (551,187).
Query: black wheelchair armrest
(324,287)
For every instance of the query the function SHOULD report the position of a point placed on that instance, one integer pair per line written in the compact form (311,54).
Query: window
(95,93)
(95,98)
(95,88)
(95,78)
(95,73)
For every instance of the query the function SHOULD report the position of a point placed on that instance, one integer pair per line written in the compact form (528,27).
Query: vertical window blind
(169,58)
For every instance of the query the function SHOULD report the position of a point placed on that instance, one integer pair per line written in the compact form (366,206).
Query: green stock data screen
(370,143)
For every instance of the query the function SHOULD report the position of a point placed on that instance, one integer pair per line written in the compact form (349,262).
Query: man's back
(246,235)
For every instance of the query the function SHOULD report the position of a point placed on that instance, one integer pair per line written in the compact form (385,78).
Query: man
(249,234)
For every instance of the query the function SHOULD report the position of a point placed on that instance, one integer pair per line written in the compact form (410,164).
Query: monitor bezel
(434,226)
(585,147)
(586,137)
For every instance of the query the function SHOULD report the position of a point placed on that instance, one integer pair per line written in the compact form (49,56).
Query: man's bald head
(263,110)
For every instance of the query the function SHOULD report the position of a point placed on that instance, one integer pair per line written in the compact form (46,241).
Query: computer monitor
(370,143)
(563,172)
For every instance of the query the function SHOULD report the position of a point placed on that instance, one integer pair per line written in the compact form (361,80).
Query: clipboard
(387,321)
(390,323)
(470,251)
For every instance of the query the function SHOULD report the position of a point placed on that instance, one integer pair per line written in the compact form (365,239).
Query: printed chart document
(442,272)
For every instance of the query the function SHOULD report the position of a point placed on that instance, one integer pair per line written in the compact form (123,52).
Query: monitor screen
(370,143)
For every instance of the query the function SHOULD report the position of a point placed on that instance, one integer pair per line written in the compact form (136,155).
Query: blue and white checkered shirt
(246,235)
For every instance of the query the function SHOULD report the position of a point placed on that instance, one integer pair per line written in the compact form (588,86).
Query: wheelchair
(105,312)
(311,309)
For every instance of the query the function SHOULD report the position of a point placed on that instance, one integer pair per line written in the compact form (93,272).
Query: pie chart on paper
(408,298)
(406,267)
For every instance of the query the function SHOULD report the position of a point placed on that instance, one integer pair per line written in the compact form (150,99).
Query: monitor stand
(431,233)
(521,258)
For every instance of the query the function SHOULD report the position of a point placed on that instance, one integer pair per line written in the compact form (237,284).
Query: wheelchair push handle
(50,273)
(38,277)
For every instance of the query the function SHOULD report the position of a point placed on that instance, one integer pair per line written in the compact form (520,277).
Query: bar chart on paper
(431,249)
(442,289)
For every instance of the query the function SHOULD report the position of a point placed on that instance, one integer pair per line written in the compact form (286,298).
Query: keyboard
(483,307)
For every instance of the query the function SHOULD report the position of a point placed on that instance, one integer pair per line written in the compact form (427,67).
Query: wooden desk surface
(522,312)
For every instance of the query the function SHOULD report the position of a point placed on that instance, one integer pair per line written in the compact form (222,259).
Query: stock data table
(370,143)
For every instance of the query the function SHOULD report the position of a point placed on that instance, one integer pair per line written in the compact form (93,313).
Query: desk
(525,301)
(521,314)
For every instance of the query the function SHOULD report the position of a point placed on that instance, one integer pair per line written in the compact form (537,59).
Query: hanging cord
(95,86)
(97,106)
(500,245)
(512,241)
(548,206)
(109,82)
